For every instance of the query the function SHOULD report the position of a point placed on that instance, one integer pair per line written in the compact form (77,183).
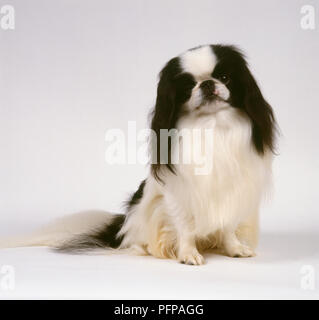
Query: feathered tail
(76,232)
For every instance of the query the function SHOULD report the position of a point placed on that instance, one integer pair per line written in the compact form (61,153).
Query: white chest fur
(231,187)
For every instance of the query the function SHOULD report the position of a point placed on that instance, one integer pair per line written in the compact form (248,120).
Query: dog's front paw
(192,258)
(239,250)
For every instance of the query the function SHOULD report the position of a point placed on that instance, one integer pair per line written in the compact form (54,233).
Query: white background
(73,69)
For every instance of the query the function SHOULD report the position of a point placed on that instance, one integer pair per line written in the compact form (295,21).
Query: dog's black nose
(208,87)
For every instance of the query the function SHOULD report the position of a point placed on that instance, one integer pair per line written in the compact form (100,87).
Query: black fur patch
(136,197)
(173,90)
(106,237)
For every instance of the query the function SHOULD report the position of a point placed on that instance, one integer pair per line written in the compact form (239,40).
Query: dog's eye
(185,81)
(224,79)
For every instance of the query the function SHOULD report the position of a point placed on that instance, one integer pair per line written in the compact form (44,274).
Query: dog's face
(207,79)
(204,77)
(201,86)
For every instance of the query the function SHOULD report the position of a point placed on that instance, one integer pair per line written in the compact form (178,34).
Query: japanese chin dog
(179,211)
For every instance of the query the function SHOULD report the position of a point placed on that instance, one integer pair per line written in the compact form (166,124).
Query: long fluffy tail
(76,232)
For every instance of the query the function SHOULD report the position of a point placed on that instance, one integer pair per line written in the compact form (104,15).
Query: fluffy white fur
(200,62)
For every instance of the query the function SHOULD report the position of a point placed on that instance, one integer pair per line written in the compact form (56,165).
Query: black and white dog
(178,212)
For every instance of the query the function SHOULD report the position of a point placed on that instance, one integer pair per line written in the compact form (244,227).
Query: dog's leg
(183,223)
(233,247)
(248,231)
(187,251)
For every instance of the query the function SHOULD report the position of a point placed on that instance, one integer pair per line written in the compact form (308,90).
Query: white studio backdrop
(71,70)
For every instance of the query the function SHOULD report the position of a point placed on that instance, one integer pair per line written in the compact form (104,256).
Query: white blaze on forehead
(199,62)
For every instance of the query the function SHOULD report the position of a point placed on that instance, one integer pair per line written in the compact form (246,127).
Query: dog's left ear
(260,113)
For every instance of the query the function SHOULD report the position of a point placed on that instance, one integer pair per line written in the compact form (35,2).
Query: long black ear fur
(261,114)
(165,116)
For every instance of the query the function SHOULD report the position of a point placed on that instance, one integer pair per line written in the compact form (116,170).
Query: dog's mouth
(212,97)
(209,105)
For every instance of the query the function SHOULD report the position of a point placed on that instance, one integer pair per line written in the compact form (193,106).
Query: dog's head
(205,80)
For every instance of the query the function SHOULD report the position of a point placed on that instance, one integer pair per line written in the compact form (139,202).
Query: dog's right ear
(164,116)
